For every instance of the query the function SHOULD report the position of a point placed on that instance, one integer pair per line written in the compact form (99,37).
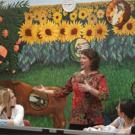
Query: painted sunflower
(27,32)
(92,19)
(57,17)
(129,27)
(73,16)
(62,31)
(101,31)
(74,31)
(83,13)
(28,16)
(118,31)
(88,32)
(49,31)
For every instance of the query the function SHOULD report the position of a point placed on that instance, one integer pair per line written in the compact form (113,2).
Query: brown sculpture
(38,103)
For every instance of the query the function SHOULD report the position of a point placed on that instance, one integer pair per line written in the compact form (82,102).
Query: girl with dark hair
(124,121)
(126,113)
(89,89)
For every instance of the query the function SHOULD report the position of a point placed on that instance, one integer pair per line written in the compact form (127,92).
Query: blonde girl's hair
(5,96)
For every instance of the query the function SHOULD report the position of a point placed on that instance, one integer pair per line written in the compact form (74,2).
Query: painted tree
(11,18)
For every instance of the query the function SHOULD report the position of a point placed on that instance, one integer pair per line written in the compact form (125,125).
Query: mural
(39,45)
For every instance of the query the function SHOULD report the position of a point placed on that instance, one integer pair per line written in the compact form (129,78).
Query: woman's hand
(42,89)
(87,88)
(38,88)
(84,86)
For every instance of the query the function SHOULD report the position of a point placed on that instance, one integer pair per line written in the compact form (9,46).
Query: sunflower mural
(47,36)
(55,29)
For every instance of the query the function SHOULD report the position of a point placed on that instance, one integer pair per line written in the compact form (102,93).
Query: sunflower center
(29,18)
(89,32)
(62,31)
(92,18)
(82,14)
(36,16)
(28,32)
(48,32)
(57,17)
(129,26)
(99,31)
(74,31)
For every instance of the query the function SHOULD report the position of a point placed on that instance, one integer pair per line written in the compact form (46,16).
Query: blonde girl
(11,114)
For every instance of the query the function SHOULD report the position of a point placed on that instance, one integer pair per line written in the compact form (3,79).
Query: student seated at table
(124,121)
(11,114)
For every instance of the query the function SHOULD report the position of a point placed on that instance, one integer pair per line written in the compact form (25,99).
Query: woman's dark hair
(128,107)
(92,55)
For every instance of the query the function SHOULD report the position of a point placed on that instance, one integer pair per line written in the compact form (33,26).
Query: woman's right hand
(43,89)
(38,88)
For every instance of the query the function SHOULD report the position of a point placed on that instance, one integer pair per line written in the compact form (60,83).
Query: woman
(89,89)
(11,114)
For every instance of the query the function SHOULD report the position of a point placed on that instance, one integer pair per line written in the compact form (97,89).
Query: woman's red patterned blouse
(86,108)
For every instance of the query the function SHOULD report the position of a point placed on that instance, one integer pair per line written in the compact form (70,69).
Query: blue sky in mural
(46,2)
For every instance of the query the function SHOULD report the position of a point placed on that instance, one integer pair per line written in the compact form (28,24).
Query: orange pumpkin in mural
(3,53)
(5,33)
(16,48)
(38,103)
